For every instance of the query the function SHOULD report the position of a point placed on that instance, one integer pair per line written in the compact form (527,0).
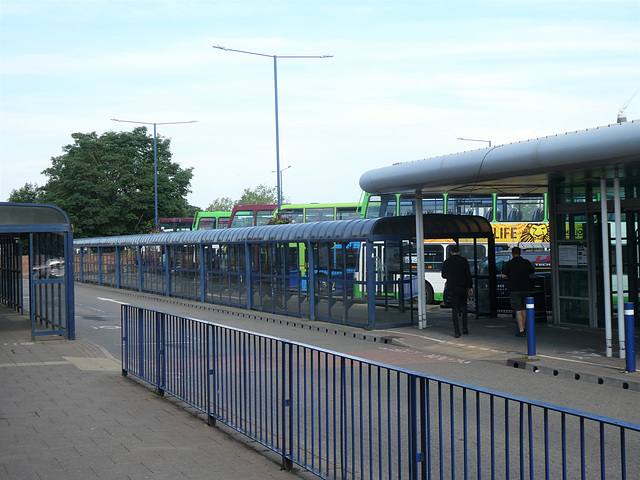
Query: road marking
(112,300)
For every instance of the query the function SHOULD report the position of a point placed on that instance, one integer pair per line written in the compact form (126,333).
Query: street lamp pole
(155,155)
(474,140)
(275,88)
(280,178)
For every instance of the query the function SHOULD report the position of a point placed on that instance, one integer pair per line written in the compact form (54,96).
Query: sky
(406,79)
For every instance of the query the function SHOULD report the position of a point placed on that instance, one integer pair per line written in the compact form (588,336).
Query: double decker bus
(251,215)
(516,220)
(211,220)
(319,212)
(176,224)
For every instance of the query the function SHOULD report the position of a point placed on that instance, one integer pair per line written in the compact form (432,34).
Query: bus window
(520,208)
(174,224)
(466,250)
(347,213)
(207,224)
(433,257)
(382,206)
(242,218)
(263,216)
(429,205)
(319,214)
(295,214)
(481,205)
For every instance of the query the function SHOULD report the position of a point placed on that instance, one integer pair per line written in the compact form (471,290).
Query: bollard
(531,328)
(630,337)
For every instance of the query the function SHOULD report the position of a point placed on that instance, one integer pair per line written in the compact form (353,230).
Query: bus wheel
(428,296)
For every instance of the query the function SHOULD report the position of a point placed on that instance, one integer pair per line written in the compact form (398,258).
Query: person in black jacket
(517,271)
(455,270)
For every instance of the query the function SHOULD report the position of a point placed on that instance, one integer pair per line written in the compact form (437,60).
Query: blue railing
(340,416)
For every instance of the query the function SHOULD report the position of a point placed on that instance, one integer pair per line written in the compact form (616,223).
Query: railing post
(630,336)
(211,359)
(287,390)
(414,458)
(139,347)
(160,368)
(124,345)
(531,327)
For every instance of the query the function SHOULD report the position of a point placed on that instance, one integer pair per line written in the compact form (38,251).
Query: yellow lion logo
(535,232)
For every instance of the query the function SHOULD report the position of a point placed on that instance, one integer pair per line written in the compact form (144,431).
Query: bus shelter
(354,272)
(43,235)
(592,179)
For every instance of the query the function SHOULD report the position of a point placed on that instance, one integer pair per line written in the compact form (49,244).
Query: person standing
(455,270)
(517,271)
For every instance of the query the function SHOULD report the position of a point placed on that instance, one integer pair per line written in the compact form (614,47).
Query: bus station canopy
(31,218)
(518,168)
(435,226)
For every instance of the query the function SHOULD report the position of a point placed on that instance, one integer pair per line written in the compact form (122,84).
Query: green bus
(319,212)
(211,220)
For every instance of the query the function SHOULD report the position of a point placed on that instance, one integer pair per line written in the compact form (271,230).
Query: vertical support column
(311,281)
(606,269)
(631,337)
(140,261)
(531,327)
(203,272)
(422,307)
(32,289)
(247,272)
(167,270)
(69,285)
(620,286)
(370,281)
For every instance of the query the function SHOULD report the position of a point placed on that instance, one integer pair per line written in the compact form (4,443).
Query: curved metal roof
(526,165)
(32,217)
(435,226)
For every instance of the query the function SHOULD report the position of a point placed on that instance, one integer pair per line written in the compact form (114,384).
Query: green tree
(29,193)
(106,183)
(221,204)
(260,195)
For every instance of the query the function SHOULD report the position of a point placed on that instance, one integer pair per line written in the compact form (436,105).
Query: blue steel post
(370,283)
(124,329)
(630,337)
(531,328)
(160,356)
(118,268)
(99,265)
(69,287)
(203,275)
(247,275)
(140,275)
(167,270)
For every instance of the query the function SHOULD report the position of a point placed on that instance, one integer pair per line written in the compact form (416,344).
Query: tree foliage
(221,204)
(261,195)
(106,183)
(29,193)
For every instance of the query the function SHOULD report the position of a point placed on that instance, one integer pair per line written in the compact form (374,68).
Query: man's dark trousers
(459,305)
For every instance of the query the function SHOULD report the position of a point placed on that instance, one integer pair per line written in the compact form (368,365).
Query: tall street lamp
(474,140)
(280,178)
(275,88)
(155,154)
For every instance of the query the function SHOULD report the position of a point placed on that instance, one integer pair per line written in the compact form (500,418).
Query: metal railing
(340,416)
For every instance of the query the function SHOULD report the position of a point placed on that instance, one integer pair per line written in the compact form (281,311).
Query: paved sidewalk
(66,412)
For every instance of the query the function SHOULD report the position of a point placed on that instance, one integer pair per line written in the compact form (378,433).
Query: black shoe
(521,334)
(465,331)
(457,335)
